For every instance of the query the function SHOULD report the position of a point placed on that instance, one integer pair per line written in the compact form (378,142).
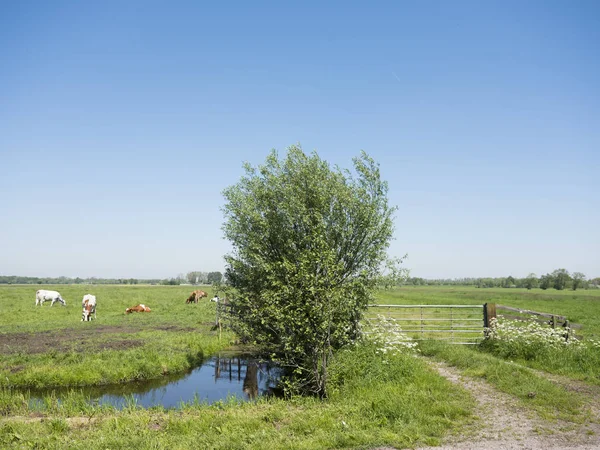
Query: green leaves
(308,242)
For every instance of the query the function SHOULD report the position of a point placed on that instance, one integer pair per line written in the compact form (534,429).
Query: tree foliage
(531,281)
(561,278)
(214,277)
(196,277)
(309,243)
(546,281)
(578,280)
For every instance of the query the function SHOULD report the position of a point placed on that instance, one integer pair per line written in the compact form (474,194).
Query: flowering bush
(512,338)
(388,337)
(544,348)
(531,332)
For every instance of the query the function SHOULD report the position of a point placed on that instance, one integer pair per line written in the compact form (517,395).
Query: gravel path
(506,425)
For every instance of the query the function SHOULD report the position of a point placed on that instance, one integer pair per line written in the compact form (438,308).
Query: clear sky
(122,122)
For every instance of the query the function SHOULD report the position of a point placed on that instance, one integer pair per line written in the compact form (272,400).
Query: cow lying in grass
(195,296)
(89,306)
(138,308)
(42,295)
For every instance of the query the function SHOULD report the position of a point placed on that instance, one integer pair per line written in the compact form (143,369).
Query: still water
(219,377)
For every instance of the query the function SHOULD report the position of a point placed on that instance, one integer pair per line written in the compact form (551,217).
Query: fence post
(451,325)
(218,319)
(489,313)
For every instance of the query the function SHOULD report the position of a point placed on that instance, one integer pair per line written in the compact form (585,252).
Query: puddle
(219,377)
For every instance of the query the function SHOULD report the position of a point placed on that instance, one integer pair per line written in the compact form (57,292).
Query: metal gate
(456,324)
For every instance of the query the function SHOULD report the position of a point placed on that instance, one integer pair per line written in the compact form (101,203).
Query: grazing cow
(195,296)
(138,308)
(42,295)
(89,306)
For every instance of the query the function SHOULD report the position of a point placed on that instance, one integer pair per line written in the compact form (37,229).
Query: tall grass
(384,400)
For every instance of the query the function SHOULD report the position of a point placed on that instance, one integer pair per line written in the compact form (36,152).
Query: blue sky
(122,122)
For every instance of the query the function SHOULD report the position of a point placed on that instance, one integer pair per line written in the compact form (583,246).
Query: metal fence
(457,324)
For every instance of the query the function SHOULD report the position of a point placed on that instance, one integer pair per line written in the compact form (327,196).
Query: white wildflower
(387,334)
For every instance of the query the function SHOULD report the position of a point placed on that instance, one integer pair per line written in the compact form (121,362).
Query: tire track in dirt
(502,423)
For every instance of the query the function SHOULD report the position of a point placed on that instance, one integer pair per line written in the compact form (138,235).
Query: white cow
(88,304)
(42,295)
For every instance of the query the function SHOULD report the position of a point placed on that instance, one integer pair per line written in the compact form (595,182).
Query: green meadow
(374,400)
(50,346)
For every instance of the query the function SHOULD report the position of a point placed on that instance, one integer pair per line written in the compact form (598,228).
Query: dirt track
(503,424)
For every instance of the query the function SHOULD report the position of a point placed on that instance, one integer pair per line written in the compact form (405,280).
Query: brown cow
(138,308)
(195,296)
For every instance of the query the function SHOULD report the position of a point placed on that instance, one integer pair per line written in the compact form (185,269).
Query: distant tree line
(559,279)
(15,279)
(195,278)
(204,277)
(190,278)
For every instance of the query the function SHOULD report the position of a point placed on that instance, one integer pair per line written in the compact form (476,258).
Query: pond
(219,377)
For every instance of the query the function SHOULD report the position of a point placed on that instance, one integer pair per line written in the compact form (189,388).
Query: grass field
(374,399)
(50,346)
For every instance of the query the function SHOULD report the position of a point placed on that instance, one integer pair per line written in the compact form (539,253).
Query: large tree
(214,277)
(196,277)
(531,281)
(561,278)
(578,280)
(309,243)
(546,281)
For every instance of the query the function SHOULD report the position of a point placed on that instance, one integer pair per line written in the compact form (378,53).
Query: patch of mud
(502,423)
(77,340)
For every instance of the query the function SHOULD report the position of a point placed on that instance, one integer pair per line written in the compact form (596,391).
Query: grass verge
(548,399)
(375,400)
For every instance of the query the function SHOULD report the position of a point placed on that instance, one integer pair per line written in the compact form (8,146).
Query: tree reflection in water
(218,378)
(254,374)
(251,380)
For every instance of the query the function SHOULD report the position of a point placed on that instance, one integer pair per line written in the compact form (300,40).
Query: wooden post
(218,319)
(553,321)
(489,313)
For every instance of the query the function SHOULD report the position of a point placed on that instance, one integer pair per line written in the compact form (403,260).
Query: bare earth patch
(503,424)
(70,339)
